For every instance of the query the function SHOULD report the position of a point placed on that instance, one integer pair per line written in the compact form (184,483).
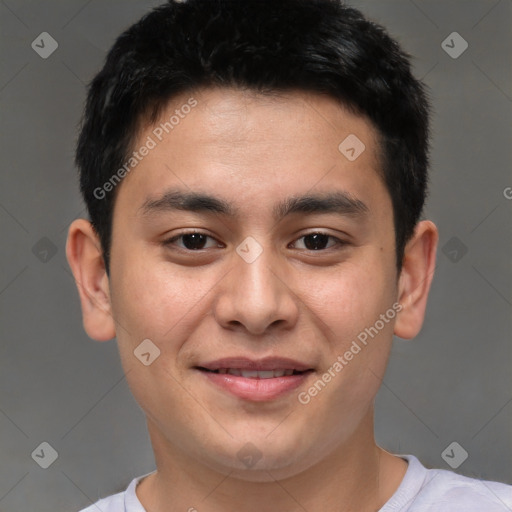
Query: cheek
(349,299)
(350,305)
(165,304)
(153,300)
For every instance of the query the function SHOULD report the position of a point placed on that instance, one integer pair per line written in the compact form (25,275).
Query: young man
(255,172)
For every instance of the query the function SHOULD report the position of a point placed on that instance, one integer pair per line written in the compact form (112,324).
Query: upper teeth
(256,374)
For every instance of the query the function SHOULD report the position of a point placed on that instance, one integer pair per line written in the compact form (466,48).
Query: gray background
(452,383)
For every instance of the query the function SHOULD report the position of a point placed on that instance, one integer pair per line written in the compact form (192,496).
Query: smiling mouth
(256,381)
(256,374)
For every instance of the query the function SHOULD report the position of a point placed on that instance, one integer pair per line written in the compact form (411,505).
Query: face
(280,275)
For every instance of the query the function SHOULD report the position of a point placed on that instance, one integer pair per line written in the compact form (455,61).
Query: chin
(246,461)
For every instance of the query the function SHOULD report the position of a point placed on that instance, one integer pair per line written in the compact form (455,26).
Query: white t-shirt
(421,490)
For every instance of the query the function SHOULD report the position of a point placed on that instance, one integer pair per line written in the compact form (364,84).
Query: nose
(257,296)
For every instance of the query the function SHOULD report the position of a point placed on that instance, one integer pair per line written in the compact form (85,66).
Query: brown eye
(318,241)
(195,241)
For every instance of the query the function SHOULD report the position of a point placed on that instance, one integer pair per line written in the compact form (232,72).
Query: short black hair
(319,46)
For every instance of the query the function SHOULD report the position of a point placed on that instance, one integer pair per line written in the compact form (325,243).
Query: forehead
(248,147)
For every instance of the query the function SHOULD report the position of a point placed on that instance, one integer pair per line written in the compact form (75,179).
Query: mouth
(257,381)
(255,374)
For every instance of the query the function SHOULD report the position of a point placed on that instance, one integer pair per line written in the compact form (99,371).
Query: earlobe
(415,279)
(83,251)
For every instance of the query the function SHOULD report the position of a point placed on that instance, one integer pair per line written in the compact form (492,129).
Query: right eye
(191,241)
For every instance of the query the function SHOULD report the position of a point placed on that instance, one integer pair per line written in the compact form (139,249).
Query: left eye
(317,241)
(196,241)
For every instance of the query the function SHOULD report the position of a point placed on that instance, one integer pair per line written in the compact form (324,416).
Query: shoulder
(466,494)
(439,490)
(125,501)
(114,503)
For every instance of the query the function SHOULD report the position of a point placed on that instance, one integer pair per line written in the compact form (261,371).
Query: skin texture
(254,151)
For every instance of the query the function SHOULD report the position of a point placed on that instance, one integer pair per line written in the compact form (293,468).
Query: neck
(356,475)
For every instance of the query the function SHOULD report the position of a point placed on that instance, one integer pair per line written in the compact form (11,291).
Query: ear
(83,251)
(415,279)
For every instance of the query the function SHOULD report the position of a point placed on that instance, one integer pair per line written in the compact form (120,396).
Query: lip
(267,363)
(255,389)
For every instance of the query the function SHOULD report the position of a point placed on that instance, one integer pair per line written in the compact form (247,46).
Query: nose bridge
(255,296)
(258,277)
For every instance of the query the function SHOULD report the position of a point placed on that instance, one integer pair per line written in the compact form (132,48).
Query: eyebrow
(339,202)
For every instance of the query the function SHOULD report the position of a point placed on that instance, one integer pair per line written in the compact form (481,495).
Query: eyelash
(340,243)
